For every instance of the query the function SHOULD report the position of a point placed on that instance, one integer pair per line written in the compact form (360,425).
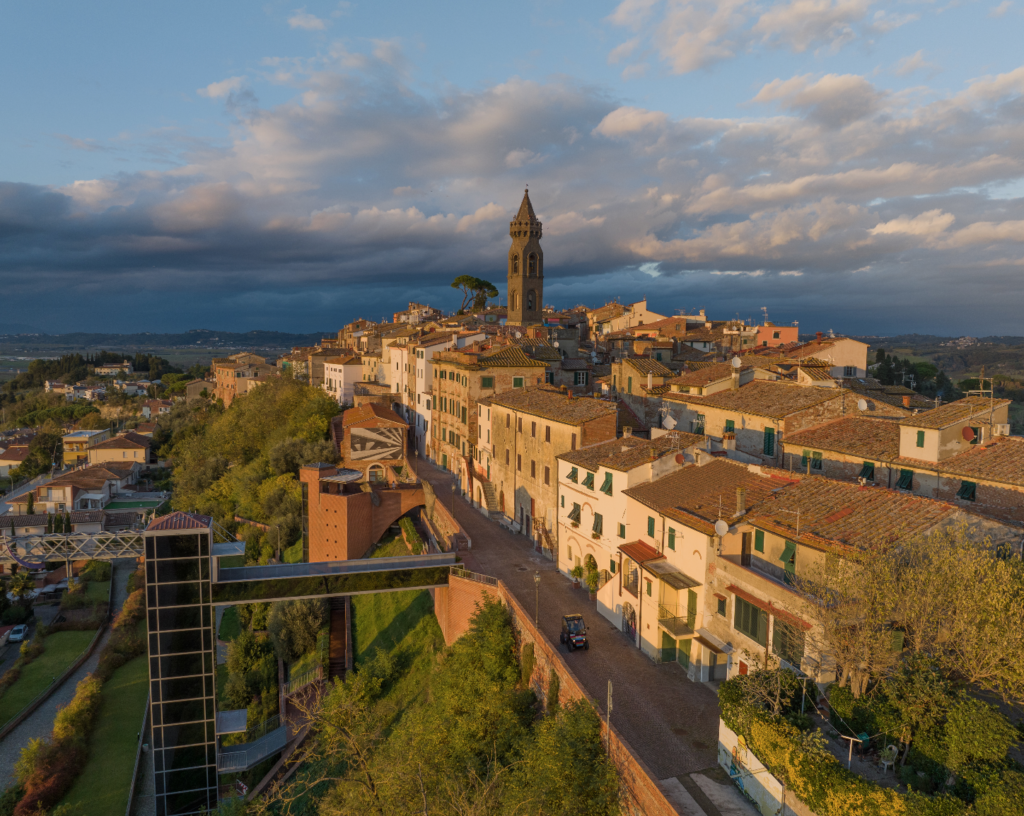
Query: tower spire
(525,267)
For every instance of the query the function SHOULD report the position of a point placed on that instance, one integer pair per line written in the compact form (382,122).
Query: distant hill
(203,338)
(17,328)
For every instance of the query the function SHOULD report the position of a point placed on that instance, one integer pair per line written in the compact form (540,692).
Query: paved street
(669,721)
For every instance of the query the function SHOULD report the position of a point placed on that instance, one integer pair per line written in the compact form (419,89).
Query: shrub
(552,697)
(96,571)
(526,661)
(411,535)
(15,615)
(9,799)
(137,580)
(294,626)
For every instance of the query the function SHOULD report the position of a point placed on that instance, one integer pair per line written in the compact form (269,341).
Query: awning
(705,642)
(672,576)
(640,551)
(768,607)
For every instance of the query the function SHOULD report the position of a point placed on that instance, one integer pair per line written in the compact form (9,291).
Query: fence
(303,680)
(138,758)
(242,757)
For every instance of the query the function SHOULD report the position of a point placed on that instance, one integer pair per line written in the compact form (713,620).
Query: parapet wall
(455,606)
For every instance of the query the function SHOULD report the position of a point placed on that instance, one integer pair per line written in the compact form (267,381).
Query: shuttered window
(622,531)
(816,460)
(906,480)
(574,514)
(730,426)
(769,441)
(788,642)
(759,540)
(788,559)
(517,382)
(920,439)
(606,488)
(588,481)
(650,526)
(598,523)
(574,475)
(977,435)
(671,538)
(697,425)
(751,621)
(967,491)
(868,471)
(611,566)
(487,382)
(804,459)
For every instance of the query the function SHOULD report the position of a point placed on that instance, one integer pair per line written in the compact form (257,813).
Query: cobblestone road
(669,721)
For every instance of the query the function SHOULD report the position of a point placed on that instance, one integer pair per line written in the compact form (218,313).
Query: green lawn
(229,626)
(62,648)
(102,787)
(98,590)
(293,554)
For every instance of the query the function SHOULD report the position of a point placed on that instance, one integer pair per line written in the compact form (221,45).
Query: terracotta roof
(128,440)
(816,373)
(345,360)
(181,521)
(575,364)
(953,412)
(699,496)
(630,451)
(368,411)
(866,437)
(94,476)
(763,398)
(119,518)
(889,394)
(15,453)
(999,460)
(641,552)
(552,404)
(510,356)
(703,375)
(606,312)
(838,513)
(645,365)
(39,519)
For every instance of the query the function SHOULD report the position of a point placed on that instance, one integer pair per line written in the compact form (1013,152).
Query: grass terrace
(62,649)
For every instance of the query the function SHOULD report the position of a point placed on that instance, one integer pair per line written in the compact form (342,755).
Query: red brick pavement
(671,723)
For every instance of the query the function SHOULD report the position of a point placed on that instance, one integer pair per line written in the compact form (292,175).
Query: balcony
(677,621)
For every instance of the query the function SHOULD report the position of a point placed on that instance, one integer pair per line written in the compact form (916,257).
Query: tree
(475,291)
(879,355)
(22,587)
(31,504)
(295,625)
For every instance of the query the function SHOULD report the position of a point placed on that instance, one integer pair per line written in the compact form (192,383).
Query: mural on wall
(376,443)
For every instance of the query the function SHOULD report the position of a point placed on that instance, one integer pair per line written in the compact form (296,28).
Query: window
(751,621)
(573,447)
(508,420)
(533,469)
(549,377)
(611,566)
(506,457)
(867,472)
(598,524)
(849,371)
(697,425)
(519,424)
(588,481)
(920,439)
(967,491)
(547,475)
(650,526)
(788,642)
(517,382)
(816,461)
(769,441)
(487,382)
(671,538)
(574,475)
(519,462)
(629,387)
(730,426)
(574,514)
(533,429)
(606,488)
(906,480)
(622,531)
(788,559)
(648,582)
(759,540)
(776,335)
(463,414)
(977,435)
(721,607)
(547,433)
(804,458)
(580,377)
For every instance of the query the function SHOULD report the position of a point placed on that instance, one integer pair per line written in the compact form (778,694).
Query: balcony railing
(677,621)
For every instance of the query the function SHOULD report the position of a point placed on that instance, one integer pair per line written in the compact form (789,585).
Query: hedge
(411,535)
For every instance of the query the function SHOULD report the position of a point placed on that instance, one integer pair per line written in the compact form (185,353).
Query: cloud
(1001,9)
(218,90)
(360,191)
(691,35)
(307,22)
(915,62)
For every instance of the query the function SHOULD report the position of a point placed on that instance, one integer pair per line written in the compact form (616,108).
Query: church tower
(525,268)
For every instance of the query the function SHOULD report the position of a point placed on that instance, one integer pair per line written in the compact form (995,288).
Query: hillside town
(685,479)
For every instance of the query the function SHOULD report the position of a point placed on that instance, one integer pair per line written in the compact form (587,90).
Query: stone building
(530,428)
(525,268)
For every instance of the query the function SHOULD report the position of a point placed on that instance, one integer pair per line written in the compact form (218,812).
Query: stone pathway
(671,722)
(40,723)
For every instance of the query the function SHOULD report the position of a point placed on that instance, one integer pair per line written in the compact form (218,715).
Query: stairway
(489,497)
(337,656)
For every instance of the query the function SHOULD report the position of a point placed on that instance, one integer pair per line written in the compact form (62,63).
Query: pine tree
(49,523)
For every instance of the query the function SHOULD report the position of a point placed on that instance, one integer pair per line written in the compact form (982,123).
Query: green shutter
(920,439)
(671,538)
(611,565)
(622,531)
(649,588)
(598,523)
(588,481)
(803,459)
(574,514)
(816,460)
(517,382)
(487,382)
(977,435)
(650,526)
(606,488)
(788,559)
(574,475)
(730,426)
(868,471)
(759,540)
(629,389)
(769,441)
(967,491)
(906,481)
(691,608)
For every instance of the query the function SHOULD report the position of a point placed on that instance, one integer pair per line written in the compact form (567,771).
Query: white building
(341,374)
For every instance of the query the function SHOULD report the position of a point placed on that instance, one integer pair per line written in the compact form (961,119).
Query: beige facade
(76,445)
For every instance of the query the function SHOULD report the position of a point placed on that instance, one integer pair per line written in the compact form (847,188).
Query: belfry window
(515,264)
(529,302)
(533,266)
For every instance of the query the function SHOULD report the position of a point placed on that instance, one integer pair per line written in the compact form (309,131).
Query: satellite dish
(968,434)
(518,335)
(862,405)
(555,344)
(680,458)
(721,528)
(669,422)
(736,362)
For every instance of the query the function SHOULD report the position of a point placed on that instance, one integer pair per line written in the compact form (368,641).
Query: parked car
(574,632)
(18,633)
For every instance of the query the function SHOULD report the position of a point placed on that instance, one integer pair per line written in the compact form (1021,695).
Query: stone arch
(515,264)
(375,473)
(530,301)
(589,562)
(532,265)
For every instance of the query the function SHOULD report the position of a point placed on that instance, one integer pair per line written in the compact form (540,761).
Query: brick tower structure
(525,268)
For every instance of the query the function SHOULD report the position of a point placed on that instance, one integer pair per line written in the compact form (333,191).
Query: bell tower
(525,268)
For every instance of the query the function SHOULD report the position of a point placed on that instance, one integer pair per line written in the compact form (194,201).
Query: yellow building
(77,444)
(128,447)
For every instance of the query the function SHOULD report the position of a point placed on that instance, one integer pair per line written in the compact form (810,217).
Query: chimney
(729,441)
(819,335)
(741,501)
(627,431)
(906,400)
(650,380)
(735,379)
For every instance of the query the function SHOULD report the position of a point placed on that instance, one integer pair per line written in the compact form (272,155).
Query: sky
(853,165)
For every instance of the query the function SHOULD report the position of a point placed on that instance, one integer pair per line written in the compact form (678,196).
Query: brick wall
(454,606)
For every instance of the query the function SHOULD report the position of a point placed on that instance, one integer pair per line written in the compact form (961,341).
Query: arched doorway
(629,620)
(376,473)
(501,501)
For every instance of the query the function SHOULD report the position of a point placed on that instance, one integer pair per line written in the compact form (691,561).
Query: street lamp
(536,584)
(453,500)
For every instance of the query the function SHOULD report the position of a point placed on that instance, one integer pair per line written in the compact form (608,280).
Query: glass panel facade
(181,664)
